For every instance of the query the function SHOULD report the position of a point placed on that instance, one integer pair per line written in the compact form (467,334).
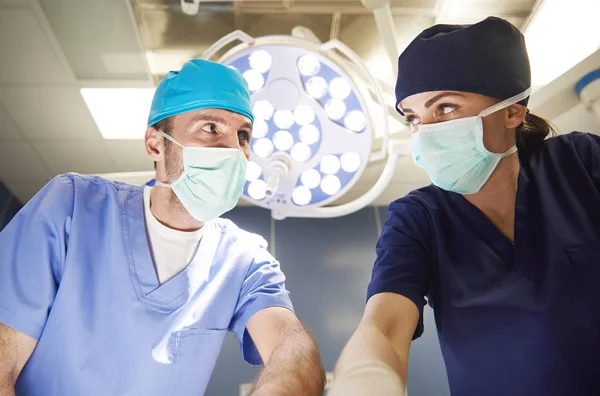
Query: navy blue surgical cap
(487,58)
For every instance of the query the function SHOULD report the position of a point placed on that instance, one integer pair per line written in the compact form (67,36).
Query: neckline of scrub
(177,290)
(483,227)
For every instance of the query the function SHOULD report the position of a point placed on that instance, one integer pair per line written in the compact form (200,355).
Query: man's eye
(210,128)
(243,136)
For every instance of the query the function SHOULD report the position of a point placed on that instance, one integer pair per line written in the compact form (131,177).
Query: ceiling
(52,48)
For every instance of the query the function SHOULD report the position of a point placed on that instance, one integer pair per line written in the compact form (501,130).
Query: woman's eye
(243,136)
(210,128)
(412,120)
(447,109)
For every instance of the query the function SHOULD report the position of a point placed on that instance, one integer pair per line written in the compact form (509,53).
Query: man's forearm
(6,385)
(7,391)
(294,368)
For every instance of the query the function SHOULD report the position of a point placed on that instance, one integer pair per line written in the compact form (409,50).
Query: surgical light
(300,152)
(316,87)
(257,189)
(309,65)
(309,134)
(331,184)
(335,108)
(260,128)
(263,147)
(355,121)
(283,140)
(301,195)
(311,178)
(283,119)
(330,164)
(260,60)
(304,114)
(313,133)
(263,109)
(254,79)
(340,88)
(253,171)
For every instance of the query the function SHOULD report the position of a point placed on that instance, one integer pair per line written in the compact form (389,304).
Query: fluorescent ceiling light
(120,113)
(162,62)
(559,35)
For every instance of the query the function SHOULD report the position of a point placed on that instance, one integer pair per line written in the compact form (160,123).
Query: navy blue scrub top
(520,319)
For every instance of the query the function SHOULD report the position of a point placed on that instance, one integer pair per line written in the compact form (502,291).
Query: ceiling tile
(8,128)
(428,4)
(24,191)
(76,156)
(27,56)
(175,30)
(129,155)
(98,38)
(49,112)
(19,161)
(258,25)
(13,3)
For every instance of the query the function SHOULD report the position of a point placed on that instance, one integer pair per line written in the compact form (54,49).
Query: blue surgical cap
(487,58)
(200,84)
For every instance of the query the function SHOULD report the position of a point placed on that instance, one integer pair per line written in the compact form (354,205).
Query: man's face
(206,128)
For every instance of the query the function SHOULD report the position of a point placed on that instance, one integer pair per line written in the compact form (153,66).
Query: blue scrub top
(520,319)
(76,274)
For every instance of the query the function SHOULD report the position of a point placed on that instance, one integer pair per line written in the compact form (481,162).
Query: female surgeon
(506,242)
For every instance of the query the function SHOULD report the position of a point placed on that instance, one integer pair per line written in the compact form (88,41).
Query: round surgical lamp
(313,134)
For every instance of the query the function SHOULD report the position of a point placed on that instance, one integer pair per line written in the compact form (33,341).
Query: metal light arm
(387,30)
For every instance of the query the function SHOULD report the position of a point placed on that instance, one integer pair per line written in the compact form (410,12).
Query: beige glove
(368,379)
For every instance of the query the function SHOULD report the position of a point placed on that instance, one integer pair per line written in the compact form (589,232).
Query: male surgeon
(112,289)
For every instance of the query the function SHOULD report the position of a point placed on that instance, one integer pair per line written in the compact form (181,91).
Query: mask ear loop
(506,103)
(172,139)
(156,182)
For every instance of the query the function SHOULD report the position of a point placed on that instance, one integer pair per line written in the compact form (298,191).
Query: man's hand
(15,350)
(292,362)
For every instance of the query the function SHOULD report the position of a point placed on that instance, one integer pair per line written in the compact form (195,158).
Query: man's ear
(515,115)
(154,142)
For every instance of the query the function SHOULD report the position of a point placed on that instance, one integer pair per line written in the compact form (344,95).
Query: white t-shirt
(172,250)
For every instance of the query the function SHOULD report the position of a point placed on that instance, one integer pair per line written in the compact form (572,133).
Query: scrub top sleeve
(33,247)
(263,287)
(587,146)
(404,255)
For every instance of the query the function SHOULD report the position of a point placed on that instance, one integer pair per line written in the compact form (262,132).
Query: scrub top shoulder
(76,274)
(520,318)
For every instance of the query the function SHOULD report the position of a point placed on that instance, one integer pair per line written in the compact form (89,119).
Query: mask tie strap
(505,103)
(172,139)
(161,184)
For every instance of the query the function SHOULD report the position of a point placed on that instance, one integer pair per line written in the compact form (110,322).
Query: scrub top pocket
(586,260)
(196,349)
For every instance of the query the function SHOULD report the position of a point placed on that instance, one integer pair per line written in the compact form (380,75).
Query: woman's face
(439,106)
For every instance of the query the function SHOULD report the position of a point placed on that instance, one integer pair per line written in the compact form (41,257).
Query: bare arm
(292,362)
(377,353)
(15,350)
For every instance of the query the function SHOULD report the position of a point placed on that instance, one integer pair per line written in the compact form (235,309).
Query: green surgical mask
(212,180)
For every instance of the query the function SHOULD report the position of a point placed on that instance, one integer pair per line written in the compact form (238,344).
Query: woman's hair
(532,132)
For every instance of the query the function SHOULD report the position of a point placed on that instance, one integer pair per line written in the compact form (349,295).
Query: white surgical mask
(212,180)
(452,152)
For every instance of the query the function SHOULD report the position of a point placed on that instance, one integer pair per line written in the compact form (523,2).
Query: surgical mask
(212,180)
(452,152)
